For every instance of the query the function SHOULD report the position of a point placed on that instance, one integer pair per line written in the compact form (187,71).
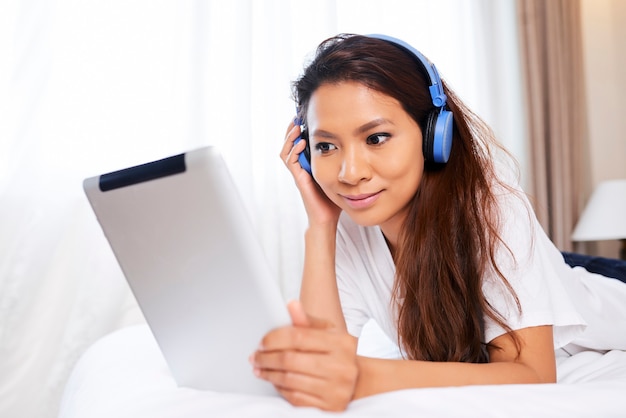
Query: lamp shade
(604,217)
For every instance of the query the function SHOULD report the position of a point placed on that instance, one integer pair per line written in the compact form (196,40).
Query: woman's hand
(309,363)
(319,208)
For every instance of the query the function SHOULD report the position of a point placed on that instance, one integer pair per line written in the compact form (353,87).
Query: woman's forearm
(318,292)
(532,361)
(383,375)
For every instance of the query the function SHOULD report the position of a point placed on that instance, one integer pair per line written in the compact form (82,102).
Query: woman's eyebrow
(371,125)
(321,133)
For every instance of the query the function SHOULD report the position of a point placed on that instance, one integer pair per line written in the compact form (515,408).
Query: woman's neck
(392,248)
(391,231)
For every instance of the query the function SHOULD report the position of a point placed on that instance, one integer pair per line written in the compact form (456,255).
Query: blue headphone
(437,135)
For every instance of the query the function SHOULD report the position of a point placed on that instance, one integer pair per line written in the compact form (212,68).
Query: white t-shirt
(548,290)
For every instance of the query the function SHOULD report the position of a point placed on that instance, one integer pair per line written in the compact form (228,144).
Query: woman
(444,253)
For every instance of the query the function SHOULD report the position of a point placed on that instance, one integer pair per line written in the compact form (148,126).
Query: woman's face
(366,153)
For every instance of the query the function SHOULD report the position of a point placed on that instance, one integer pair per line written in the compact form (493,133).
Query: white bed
(124,375)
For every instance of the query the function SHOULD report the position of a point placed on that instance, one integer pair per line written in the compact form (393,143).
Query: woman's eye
(324,147)
(377,139)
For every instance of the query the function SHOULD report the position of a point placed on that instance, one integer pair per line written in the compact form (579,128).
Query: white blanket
(125,375)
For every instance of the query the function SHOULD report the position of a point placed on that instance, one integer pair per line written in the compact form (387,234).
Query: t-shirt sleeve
(535,269)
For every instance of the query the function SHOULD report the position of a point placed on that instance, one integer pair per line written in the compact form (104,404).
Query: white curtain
(89,86)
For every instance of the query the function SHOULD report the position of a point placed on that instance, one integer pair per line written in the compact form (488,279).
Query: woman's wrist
(318,290)
(378,375)
(320,241)
(363,382)
(321,231)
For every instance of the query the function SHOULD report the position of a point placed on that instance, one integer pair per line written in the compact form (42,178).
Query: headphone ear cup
(428,136)
(304,158)
(442,137)
(437,141)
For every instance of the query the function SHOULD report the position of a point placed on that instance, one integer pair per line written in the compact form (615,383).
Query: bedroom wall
(604,39)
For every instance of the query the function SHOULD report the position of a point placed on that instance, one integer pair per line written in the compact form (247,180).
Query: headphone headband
(437,132)
(435,87)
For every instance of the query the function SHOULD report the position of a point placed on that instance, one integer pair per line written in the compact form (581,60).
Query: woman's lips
(361,201)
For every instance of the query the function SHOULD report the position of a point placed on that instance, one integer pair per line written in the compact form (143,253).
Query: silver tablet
(185,243)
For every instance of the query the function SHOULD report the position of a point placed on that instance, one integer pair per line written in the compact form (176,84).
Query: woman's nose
(354,167)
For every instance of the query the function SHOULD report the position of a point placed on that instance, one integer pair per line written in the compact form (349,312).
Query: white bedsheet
(124,375)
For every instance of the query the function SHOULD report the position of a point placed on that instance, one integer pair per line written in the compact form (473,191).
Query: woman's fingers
(290,127)
(313,365)
(307,351)
(293,132)
(298,338)
(326,381)
(297,398)
(310,363)
(289,152)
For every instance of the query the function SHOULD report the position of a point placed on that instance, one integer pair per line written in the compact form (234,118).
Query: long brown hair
(450,236)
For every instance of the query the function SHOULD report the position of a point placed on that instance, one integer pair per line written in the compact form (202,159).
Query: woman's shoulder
(512,202)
